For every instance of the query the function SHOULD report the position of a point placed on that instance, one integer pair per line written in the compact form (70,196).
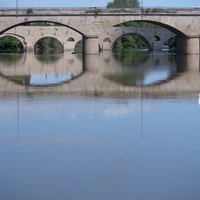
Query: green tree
(130,42)
(10,44)
(49,45)
(123,4)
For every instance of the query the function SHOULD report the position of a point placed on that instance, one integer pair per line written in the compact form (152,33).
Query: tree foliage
(137,24)
(133,41)
(10,44)
(130,42)
(41,24)
(49,45)
(123,4)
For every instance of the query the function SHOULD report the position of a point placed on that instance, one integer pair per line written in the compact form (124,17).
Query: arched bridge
(154,38)
(91,23)
(30,35)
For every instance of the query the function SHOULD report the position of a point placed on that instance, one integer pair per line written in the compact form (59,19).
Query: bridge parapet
(103,11)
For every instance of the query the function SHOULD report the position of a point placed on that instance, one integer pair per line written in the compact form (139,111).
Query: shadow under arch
(150,23)
(161,24)
(78,47)
(170,42)
(40,21)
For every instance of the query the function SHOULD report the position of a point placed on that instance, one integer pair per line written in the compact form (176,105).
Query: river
(101,127)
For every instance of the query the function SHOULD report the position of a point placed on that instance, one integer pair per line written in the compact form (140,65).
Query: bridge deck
(100,11)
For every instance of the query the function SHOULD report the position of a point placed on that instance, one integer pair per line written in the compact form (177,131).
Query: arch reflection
(137,68)
(130,68)
(43,70)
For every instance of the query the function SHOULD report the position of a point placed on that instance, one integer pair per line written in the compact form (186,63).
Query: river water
(108,127)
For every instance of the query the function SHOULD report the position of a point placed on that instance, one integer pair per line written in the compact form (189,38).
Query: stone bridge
(93,23)
(30,35)
(154,38)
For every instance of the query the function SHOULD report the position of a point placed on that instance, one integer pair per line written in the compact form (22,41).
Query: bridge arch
(46,36)
(167,40)
(19,38)
(165,25)
(78,46)
(59,43)
(26,21)
(154,37)
(186,43)
(145,40)
(70,39)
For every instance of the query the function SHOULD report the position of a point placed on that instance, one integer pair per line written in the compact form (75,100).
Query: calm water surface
(101,148)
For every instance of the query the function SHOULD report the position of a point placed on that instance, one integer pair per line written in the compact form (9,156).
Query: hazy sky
(99,3)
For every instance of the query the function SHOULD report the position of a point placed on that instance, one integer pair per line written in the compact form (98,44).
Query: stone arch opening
(19,37)
(48,45)
(70,39)
(106,44)
(170,44)
(107,39)
(70,44)
(156,38)
(131,41)
(79,47)
(11,44)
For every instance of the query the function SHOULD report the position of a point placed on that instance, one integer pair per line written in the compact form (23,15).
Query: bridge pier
(188,45)
(29,48)
(90,45)
(91,62)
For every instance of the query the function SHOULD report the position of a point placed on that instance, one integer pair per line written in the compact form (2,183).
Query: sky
(97,3)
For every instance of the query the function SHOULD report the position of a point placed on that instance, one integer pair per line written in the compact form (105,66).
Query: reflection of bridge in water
(93,80)
(41,70)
